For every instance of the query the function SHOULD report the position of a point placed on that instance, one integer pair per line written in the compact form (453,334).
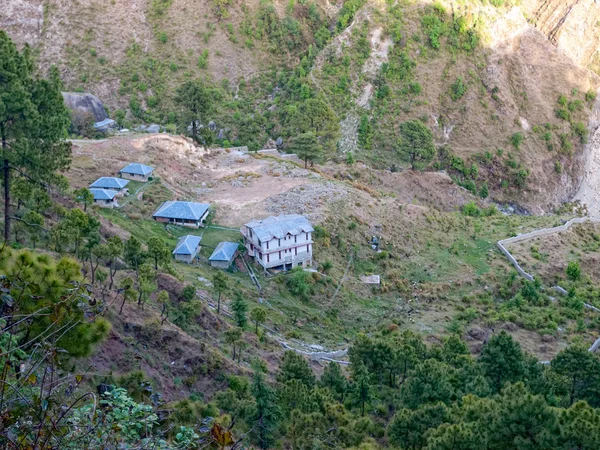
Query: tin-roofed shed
(224,255)
(187,248)
(188,214)
(136,171)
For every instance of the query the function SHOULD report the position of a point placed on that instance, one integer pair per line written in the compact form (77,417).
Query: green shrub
(563,113)
(575,105)
(203,60)
(573,271)
(557,167)
(471,209)
(458,89)
(580,130)
(562,100)
(516,140)
(162,37)
(590,96)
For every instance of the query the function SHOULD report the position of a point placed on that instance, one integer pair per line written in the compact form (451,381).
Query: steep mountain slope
(486,79)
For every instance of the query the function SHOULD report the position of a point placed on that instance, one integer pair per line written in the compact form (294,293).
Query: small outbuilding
(187,214)
(136,171)
(111,183)
(224,255)
(105,198)
(187,248)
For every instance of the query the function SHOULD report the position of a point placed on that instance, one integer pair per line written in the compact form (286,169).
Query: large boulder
(85,105)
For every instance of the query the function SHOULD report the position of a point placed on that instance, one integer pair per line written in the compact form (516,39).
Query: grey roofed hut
(104,197)
(188,214)
(112,183)
(187,248)
(136,171)
(224,255)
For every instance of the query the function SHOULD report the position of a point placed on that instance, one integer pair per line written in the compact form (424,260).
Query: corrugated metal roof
(224,251)
(181,210)
(103,194)
(137,169)
(109,183)
(280,226)
(187,245)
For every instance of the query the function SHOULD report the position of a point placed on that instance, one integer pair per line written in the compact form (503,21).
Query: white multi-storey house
(282,242)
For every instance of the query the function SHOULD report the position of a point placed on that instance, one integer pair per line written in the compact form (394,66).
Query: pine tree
(429,382)
(581,371)
(456,436)
(416,143)
(158,251)
(294,367)
(334,380)
(114,250)
(196,102)
(133,253)
(33,123)
(258,316)
(361,387)
(85,196)
(265,418)
(306,147)
(315,116)
(219,286)
(409,427)
(239,306)
(502,360)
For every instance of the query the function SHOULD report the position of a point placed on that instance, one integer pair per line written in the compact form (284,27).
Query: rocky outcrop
(571,25)
(85,105)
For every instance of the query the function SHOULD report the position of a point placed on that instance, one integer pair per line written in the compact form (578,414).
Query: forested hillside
(412,137)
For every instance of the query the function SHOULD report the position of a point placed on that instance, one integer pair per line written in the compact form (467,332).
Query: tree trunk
(6,173)
(122,303)
(306,162)
(256,330)
(111,273)
(219,303)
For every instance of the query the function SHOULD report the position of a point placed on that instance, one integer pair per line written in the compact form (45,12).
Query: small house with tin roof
(187,249)
(187,214)
(105,198)
(111,183)
(280,242)
(136,172)
(224,255)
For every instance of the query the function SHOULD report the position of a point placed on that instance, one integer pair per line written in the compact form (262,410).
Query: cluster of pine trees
(401,393)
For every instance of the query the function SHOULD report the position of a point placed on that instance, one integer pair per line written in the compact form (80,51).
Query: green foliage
(416,144)
(188,293)
(458,89)
(203,59)
(258,315)
(33,123)
(573,271)
(239,306)
(300,283)
(580,130)
(365,133)
(307,147)
(196,104)
(502,360)
(516,140)
(294,367)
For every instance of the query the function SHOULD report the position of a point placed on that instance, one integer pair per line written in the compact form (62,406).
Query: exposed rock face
(570,25)
(85,105)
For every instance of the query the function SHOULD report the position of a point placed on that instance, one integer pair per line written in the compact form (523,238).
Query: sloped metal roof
(187,245)
(181,210)
(103,194)
(109,183)
(279,226)
(224,251)
(137,169)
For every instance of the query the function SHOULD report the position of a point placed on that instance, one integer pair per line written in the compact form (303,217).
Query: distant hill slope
(486,79)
